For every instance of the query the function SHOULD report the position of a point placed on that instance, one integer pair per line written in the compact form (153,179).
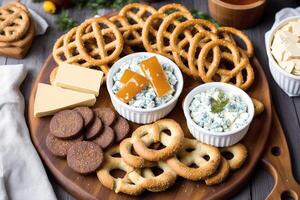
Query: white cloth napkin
(281,15)
(40,24)
(22,175)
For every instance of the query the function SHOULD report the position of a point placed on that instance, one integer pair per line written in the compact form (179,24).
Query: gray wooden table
(288,108)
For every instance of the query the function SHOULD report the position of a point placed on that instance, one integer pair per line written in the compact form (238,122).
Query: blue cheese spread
(219,111)
(147,98)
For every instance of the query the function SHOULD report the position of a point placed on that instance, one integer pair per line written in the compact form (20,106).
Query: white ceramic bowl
(138,115)
(218,139)
(288,82)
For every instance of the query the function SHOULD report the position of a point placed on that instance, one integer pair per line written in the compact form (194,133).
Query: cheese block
(78,78)
(51,99)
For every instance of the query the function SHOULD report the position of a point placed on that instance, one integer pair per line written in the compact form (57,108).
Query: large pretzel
(153,134)
(205,158)
(124,184)
(14,22)
(99,29)
(165,30)
(146,178)
(182,37)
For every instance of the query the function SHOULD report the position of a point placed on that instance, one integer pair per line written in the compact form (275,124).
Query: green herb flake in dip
(219,111)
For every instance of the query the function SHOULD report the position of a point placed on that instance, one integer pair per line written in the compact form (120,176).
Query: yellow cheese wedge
(51,99)
(154,72)
(78,78)
(133,86)
(128,74)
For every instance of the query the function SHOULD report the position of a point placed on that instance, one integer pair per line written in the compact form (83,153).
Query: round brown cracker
(66,124)
(106,138)
(86,113)
(60,147)
(85,157)
(93,130)
(106,114)
(121,128)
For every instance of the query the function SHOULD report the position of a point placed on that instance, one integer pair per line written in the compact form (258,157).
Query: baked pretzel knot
(14,22)
(196,161)
(153,134)
(146,177)
(106,36)
(124,184)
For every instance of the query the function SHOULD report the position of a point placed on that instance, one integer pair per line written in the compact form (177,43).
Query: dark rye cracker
(66,124)
(86,113)
(121,128)
(93,130)
(85,157)
(106,114)
(106,138)
(60,147)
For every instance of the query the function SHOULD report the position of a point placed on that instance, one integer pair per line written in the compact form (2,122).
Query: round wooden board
(88,187)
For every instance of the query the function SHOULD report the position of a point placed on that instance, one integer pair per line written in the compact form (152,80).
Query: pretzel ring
(155,183)
(195,45)
(194,152)
(124,184)
(154,131)
(172,7)
(258,106)
(150,30)
(207,76)
(239,153)
(126,147)
(100,27)
(227,31)
(165,30)
(220,175)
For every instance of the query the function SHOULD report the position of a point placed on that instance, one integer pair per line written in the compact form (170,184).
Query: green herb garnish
(201,15)
(217,105)
(65,21)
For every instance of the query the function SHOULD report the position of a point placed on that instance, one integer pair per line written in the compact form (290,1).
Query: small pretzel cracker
(101,30)
(258,106)
(165,30)
(14,22)
(194,152)
(124,184)
(153,134)
(239,155)
(229,32)
(146,178)
(172,7)
(220,175)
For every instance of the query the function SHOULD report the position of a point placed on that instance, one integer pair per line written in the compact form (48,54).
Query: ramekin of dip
(218,114)
(146,107)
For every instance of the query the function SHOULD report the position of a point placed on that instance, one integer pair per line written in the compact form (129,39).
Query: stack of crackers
(202,50)
(17,30)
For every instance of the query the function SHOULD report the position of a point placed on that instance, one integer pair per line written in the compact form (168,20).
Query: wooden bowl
(237,15)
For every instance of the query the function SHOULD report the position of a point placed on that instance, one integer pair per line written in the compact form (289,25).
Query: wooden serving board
(88,187)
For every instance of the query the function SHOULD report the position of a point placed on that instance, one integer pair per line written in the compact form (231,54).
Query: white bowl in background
(218,139)
(288,82)
(139,115)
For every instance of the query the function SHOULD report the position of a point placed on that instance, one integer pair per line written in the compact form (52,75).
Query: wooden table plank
(287,108)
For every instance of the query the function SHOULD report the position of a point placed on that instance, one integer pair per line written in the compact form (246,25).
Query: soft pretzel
(194,152)
(258,106)
(220,175)
(146,178)
(153,134)
(239,155)
(229,32)
(124,184)
(126,148)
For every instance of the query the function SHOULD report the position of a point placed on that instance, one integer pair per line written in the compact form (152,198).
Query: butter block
(51,99)
(78,78)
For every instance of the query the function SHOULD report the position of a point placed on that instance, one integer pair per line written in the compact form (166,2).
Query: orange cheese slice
(154,72)
(133,86)
(128,74)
